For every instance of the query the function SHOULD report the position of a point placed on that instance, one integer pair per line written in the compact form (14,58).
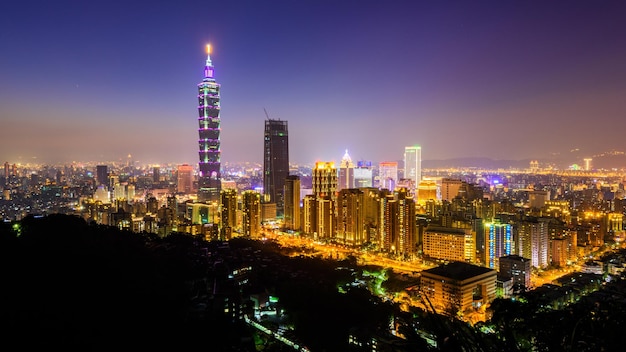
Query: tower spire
(208,67)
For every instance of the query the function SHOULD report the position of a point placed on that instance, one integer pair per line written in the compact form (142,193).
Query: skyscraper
(275,162)
(209,177)
(388,174)
(184,179)
(292,202)
(102,175)
(346,173)
(413,163)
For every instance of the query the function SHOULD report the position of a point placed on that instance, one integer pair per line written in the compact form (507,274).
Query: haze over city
(87,81)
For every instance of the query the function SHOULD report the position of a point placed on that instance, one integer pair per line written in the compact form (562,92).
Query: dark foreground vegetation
(75,285)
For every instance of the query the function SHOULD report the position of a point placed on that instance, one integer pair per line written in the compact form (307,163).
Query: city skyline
(97,82)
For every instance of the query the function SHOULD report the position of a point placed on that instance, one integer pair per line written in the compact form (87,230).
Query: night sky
(98,80)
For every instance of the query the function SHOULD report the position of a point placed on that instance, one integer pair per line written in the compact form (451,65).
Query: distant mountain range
(612,160)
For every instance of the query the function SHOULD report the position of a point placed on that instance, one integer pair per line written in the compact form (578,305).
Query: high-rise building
(346,173)
(324,180)
(351,217)
(185,179)
(399,234)
(498,243)
(363,174)
(388,174)
(533,242)
(450,188)
(413,163)
(275,162)
(102,175)
(156,174)
(228,222)
(447,243)
(251,206)
(292,203)
(209,177)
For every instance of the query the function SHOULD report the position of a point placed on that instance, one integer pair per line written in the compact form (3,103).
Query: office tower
(156,174)
(209,176)
(588,164)
(292,203)
(363,174)
(184,179)
(6,171)
(324,179)
(388,174)
(228,222)
(538,198)
(251,206)
(275,162)
(516,267)
(102,175)
(413,163)
(351,217)
(498,243)
(346,173)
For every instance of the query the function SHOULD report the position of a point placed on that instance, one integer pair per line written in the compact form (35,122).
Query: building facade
(209,177)
(292,203)
(275,162)
(458,287)
(413,163)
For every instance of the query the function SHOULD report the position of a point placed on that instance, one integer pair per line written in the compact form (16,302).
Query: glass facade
(209,178)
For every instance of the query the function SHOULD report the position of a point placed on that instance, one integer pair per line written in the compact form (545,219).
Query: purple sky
(96,81)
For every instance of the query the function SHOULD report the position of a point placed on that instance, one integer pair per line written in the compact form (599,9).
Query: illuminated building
(350,216)
(450,188)
(228,222)
(325,219)
(209,177)
(363,174)
(458,287)
(559,249)
(498,243)
(309,214)
(413,163)
(184,179)
(399,233)
(201,214)
(346,173)
(447,243)
(426,190)
(516,267)
(533,242)
(275,161)
(588,164)
(292,203)
(388,174)
(251,207)
(324,179)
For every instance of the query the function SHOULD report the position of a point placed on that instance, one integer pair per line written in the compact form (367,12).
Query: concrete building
(458,287)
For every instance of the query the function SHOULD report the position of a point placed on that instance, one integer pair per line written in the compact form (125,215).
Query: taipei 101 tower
(209,180)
